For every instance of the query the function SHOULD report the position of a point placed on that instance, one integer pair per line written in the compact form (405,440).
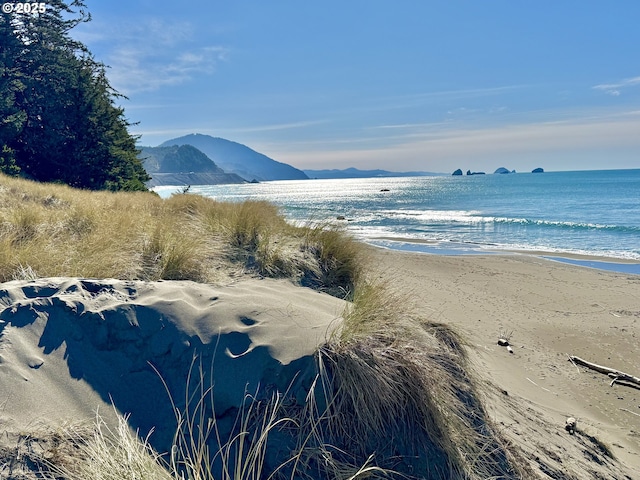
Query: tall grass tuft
(339,260)
(401,387)
(169,256)
(113,455)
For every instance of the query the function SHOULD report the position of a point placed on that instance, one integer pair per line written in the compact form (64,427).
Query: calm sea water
(586,212)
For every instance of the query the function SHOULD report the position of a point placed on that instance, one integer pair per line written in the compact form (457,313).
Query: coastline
(549,310)
(495,213)
(432,247)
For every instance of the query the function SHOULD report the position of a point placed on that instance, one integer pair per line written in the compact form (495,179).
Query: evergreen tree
(59,118)
(11,117)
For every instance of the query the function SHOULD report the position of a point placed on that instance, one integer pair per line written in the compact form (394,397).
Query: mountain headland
(183,165)
(237,158)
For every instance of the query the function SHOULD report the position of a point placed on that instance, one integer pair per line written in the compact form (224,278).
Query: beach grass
(402,386)
(394,395)
(49,230)
(199,450)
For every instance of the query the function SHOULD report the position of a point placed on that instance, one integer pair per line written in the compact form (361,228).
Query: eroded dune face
(69,347)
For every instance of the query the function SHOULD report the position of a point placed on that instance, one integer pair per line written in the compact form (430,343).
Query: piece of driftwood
(629,411)
(611,372)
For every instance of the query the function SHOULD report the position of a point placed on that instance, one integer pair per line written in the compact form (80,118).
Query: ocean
(595,213)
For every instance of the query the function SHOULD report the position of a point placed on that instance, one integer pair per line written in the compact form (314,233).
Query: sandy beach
(71,346)
(548,310)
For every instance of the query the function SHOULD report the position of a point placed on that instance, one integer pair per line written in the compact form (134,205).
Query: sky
(402,85)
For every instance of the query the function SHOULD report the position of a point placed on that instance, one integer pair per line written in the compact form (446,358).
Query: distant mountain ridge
(357,173)
(183,165)
(237,158)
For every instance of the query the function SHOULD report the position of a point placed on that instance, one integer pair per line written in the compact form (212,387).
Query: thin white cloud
(164,33)
(140,69)
(278,126)
(151,53)
(208,130)
(408,126)
(418,100)
(152,29)
(615,89)
(456,94)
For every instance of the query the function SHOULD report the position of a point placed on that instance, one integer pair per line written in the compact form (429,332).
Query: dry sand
(549,310)
(69,347)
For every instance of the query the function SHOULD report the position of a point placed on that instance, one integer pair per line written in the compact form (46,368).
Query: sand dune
(71,346)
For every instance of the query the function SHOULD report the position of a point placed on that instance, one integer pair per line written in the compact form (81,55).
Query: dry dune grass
(394,395)
(52,230)
(402,387)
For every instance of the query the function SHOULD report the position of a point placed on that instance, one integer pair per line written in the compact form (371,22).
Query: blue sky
(401,85)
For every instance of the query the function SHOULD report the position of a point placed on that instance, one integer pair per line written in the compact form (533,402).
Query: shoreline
(444,248)
(548,310)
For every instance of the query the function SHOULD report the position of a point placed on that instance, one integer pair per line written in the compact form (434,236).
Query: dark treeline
(59,119)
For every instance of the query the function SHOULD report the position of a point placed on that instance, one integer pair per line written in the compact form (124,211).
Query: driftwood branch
(616,375)
(574,363)
(629,411)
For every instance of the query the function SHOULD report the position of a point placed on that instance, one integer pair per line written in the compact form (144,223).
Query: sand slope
(549,310)
(70,346)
